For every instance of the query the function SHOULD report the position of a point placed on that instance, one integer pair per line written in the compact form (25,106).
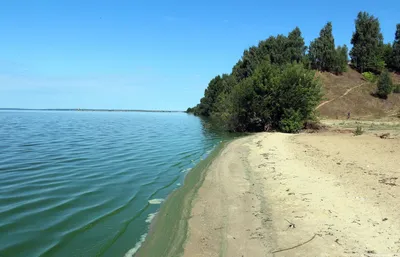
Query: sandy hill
(351,93)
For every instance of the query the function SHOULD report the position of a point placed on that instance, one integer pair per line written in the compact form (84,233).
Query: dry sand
(325,194)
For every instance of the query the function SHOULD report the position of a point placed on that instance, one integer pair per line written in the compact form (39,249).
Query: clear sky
(148,54)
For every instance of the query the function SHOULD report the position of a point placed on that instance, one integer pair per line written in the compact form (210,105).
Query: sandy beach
(322,194)
(271,194)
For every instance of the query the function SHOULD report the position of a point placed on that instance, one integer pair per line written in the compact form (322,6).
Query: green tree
(269,87)
(245,67)
(367,41)
(395,64)
(341,60)
(274,49)
(387,55)
(295,47)
(211,93)
(385,85)
(322,50)
(314,54)
(281,49)
(322,53)
(217,86)
(276,97)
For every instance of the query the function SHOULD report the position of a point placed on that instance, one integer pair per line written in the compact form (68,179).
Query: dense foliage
(275,97)
(387,55)
(269,88)
(385,85)
(323,55)
(341,60)
(274,87)
(395,62)
(367,41)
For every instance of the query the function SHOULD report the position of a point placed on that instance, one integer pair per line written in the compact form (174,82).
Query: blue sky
(148,54)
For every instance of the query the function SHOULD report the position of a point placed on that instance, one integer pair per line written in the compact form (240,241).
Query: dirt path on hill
(347,91)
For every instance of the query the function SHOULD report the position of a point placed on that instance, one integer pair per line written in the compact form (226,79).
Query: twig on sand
(286,249)
(291,225)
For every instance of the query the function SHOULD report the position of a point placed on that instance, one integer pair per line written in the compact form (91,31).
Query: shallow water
(89,183)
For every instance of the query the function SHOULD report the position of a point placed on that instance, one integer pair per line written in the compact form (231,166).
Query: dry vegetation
(358,101)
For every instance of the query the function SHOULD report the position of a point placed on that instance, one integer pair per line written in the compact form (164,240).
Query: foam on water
(156,201)
(150,217)
(132,251)
(186,170)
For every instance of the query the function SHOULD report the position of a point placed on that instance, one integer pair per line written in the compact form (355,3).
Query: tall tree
(274,49)
(295,47)
(322,53)
(367,40)
(340,64)
(396,50)
(211,93)
(387,55)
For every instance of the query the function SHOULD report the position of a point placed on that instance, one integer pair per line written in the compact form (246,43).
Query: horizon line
(86,109)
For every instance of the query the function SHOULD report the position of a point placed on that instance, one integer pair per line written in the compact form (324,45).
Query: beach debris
(389,181)
(291,225)
(293,247)
(385,135)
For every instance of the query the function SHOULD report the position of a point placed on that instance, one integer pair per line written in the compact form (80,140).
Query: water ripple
(81,184)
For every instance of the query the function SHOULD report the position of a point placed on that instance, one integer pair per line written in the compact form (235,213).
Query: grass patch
(396,88)
(359,131)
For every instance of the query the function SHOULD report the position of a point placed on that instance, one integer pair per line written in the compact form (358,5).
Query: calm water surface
(88,183)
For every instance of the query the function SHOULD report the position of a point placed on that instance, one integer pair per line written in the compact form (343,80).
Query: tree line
(274,87)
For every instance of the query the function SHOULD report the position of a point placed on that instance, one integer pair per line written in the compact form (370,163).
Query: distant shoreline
(85,110)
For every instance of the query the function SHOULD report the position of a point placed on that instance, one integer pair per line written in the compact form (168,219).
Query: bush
(313,125)
(385,85)
(369,76)
(396,88)
(359,131)
(291,121)
(274,97)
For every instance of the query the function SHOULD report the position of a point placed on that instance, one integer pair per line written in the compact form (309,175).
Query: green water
(89,183)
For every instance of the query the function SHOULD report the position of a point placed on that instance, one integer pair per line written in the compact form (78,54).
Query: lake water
(89,183)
